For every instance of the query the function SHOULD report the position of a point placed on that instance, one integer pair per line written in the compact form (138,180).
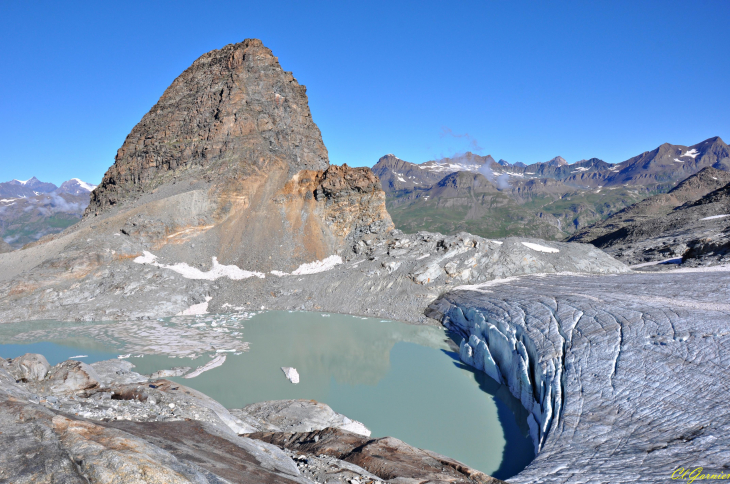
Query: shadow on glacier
(519,450)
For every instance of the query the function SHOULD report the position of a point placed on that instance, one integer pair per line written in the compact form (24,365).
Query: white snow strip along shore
(540,248)
(716,216)
(214,363)
(196,309)
(671,260)
(232,272)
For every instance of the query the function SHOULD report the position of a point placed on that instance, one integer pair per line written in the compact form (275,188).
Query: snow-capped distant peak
(22,182)
(75,186)
(84,185)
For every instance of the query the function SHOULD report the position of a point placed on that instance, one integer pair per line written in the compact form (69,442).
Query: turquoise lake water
(400,380)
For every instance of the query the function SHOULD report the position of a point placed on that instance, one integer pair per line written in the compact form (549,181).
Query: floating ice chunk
(716,216)
(540,248)
(214,363)
(78,356)
(291,374)
(318,265)
(121,357)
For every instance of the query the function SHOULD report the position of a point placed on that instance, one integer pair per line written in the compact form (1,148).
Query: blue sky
(526,80)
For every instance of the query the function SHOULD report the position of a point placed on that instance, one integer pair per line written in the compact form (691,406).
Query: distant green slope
(499,215)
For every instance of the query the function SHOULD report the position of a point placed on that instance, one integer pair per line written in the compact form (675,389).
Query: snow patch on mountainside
(84,185)
(540,248)
(318,265)
(232,272)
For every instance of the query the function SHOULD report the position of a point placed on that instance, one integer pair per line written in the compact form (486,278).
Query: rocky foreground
(105,423)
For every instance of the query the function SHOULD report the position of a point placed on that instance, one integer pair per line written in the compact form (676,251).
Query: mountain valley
(551,200)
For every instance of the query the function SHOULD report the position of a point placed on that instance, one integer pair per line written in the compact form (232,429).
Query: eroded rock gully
(625,376)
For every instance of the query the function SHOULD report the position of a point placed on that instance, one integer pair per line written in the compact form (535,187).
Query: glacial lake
(398,379)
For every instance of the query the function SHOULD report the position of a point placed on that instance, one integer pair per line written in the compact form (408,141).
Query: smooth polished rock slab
(626,376)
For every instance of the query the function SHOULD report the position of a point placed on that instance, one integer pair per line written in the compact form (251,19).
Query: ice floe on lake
(291,374)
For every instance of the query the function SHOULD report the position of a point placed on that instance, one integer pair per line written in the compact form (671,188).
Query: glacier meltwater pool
(400,380)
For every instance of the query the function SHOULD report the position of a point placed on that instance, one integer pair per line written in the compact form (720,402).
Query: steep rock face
(353,203)
(233,110)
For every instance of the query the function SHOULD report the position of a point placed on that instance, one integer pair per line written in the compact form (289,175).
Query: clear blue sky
(526,80)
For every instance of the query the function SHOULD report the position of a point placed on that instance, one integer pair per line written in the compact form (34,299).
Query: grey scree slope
(626,377)
(392,275)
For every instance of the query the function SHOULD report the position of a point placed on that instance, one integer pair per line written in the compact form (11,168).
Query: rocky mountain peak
(557,161)
(25,188)
(234,112)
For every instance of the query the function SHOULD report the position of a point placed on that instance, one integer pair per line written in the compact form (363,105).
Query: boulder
(30,367)
(72,376)
(296,416)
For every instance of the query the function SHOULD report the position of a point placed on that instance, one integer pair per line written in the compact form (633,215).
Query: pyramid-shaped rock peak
(229,164)
(232,113)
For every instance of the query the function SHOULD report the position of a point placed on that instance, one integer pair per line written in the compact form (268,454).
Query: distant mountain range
(551,199)
(31,209)
(690,223)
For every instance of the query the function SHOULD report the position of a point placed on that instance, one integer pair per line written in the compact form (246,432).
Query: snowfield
(540,248)
(232,272)
(318,265)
